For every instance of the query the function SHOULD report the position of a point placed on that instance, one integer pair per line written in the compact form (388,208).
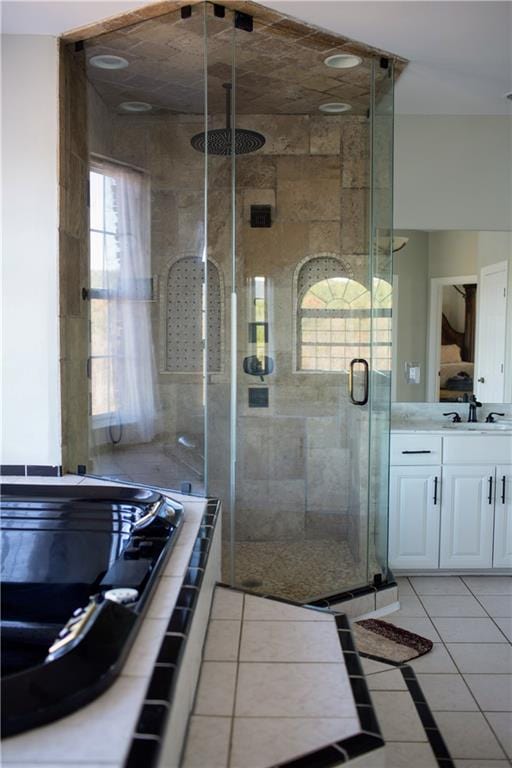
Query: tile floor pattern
(467,677)
(407,744)
(273,685)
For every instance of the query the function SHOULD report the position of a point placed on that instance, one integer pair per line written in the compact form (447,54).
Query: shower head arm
(228,88)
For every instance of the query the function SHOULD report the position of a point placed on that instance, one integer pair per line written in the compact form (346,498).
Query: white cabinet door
(503,517)
(467,516)
(414,505)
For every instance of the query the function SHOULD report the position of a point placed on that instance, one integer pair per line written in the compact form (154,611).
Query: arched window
(334,318)
(187,319)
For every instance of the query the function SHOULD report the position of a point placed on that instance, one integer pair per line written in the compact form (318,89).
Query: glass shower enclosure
(239,287)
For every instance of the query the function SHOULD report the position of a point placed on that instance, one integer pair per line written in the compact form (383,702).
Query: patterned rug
(386,642)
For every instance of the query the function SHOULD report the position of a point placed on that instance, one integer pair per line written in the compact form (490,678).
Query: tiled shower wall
(73,259)
(295,461)
(297,464)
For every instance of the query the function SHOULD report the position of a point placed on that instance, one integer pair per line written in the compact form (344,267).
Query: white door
(503,517)
(491,324)
(467,516)
(414,505)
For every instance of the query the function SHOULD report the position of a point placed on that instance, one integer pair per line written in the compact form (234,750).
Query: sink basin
(478,427)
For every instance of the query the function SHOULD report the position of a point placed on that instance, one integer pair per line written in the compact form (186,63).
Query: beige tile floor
(288,693)
(273,685)
(467,677)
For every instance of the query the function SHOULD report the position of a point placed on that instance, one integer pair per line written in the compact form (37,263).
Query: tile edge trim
(149,729)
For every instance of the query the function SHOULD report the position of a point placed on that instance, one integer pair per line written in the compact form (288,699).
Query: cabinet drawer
(407,450)
(474,449)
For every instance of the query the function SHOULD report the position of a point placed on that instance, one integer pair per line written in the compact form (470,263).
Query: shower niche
(226,205)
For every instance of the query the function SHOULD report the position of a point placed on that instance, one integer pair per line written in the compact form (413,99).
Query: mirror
(452,329)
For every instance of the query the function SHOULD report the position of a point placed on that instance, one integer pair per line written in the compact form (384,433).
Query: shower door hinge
(243,21)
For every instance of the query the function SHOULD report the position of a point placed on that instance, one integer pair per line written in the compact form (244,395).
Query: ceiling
(460,52)
(276,73)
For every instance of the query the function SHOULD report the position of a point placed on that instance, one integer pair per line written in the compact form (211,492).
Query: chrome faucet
(473,405)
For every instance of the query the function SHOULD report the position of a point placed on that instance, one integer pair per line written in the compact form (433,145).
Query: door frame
(436,286)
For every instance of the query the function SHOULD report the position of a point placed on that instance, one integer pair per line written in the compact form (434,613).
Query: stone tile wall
(298,472)
(73,258)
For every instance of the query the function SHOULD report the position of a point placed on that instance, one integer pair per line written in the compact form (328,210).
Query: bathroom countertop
(431,427)
(101,732)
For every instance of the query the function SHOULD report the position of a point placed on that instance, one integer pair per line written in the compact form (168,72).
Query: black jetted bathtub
(78,566)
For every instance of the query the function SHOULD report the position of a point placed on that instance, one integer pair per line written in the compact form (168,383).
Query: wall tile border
(342,597)
(148,736)
(31,470)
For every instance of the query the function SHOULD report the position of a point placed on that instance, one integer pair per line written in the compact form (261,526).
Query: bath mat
(386,642)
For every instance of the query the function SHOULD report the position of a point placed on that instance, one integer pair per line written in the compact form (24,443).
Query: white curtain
(128,290)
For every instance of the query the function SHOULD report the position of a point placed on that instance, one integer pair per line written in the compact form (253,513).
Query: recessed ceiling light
(334,107)
(343,61)
(135,106)
(108,61)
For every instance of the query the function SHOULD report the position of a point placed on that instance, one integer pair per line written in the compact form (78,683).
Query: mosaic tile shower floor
(295,570)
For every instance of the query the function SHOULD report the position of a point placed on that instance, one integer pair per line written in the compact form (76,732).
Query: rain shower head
(221,140)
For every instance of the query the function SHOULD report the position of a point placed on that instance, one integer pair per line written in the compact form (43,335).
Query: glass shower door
(381,262)
(307,320)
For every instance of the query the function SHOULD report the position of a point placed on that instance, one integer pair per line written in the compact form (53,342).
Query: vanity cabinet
(467,518)
(450,503)
(414,515)
(415,501)
(503,517)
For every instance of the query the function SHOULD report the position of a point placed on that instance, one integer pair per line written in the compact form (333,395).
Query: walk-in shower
(236,318)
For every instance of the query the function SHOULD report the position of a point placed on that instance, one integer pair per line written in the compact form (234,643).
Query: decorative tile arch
(184,313)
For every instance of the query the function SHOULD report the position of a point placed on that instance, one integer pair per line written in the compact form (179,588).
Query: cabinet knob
(481,380)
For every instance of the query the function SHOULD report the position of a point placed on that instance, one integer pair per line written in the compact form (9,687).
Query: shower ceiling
(166,58)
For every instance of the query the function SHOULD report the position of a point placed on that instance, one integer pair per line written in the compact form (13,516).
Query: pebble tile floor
(295,570)
(467,677)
